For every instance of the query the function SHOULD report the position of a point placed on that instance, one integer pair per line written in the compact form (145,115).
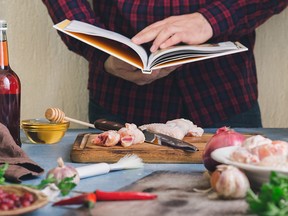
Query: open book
(123,48)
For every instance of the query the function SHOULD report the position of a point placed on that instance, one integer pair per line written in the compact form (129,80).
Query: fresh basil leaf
(66,185)
(272,199)
(3,169)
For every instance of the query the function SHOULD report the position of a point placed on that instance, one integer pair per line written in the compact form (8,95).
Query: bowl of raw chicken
(257,157)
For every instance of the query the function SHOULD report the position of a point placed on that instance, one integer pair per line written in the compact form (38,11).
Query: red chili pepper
(86,199)
(89,199)
(119,195)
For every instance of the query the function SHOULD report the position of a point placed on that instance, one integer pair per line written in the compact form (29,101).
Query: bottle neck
(4,60)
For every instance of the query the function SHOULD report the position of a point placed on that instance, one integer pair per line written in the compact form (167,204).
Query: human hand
(189,28)
(121,69)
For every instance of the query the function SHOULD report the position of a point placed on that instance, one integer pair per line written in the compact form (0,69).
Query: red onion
(223,137)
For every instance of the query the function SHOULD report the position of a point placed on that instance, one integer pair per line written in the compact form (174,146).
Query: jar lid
(3,25)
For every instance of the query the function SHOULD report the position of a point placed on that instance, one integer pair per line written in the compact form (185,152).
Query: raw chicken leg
(177,128)
(130,134)
(107,138)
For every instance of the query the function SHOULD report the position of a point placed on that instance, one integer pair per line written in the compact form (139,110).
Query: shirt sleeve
(75,10)
(240,17)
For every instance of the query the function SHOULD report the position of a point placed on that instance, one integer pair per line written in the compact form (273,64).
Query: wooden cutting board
(85,152)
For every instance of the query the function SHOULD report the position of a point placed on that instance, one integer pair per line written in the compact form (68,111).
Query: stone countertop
(46,155)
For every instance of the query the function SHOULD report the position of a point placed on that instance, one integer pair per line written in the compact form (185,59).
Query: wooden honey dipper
(57,115)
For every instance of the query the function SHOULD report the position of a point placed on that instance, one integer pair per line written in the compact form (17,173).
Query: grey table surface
(46,156)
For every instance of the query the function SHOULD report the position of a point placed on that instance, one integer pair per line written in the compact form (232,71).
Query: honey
(43,131)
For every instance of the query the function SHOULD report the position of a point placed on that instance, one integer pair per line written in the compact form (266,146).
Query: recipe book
(123,48)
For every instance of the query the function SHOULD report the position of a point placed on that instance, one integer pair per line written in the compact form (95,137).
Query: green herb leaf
(49,180)
(272,199)
(3,169)
(66,185)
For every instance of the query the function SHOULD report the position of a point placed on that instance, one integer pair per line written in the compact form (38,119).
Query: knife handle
(104,124)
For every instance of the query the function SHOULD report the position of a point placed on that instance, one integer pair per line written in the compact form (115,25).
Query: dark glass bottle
(10,89)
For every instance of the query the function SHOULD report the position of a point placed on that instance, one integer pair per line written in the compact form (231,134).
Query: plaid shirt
(205,92)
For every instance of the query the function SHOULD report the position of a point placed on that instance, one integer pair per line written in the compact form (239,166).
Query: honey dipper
(57,115)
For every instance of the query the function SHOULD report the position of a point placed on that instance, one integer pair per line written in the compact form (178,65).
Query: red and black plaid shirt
(205,92)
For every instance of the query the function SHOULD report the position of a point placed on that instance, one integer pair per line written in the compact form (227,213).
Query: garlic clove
(63,171)
(229,182)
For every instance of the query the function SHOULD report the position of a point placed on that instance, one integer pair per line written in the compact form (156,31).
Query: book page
(172,61)
(188,50)
(88,29)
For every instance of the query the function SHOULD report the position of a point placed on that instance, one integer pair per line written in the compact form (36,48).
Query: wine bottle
(10,89)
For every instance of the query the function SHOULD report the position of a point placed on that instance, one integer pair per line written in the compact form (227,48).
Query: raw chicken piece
(242,155)
(107,138)
(187,127)
(279,162)
(130,134)
(262,151)
(255,141)
(275,148)
(281,147)
(170,130)
(177,128)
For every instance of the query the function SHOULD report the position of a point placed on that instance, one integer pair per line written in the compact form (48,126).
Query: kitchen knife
(169,141)
(150,136)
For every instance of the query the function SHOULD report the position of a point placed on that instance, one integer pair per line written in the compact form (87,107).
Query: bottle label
(3,54)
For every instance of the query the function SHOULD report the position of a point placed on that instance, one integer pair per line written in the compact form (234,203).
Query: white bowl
(257,175)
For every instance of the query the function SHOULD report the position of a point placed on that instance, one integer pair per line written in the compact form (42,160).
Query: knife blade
(104,124)
(169,141)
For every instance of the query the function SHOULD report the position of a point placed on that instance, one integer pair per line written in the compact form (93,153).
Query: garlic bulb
(229,182)
(63,171)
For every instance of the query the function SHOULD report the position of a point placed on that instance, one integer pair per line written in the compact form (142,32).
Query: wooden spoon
(57,115)
(40,199)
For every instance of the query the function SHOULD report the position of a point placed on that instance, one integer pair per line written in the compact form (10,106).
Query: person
(212,93)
